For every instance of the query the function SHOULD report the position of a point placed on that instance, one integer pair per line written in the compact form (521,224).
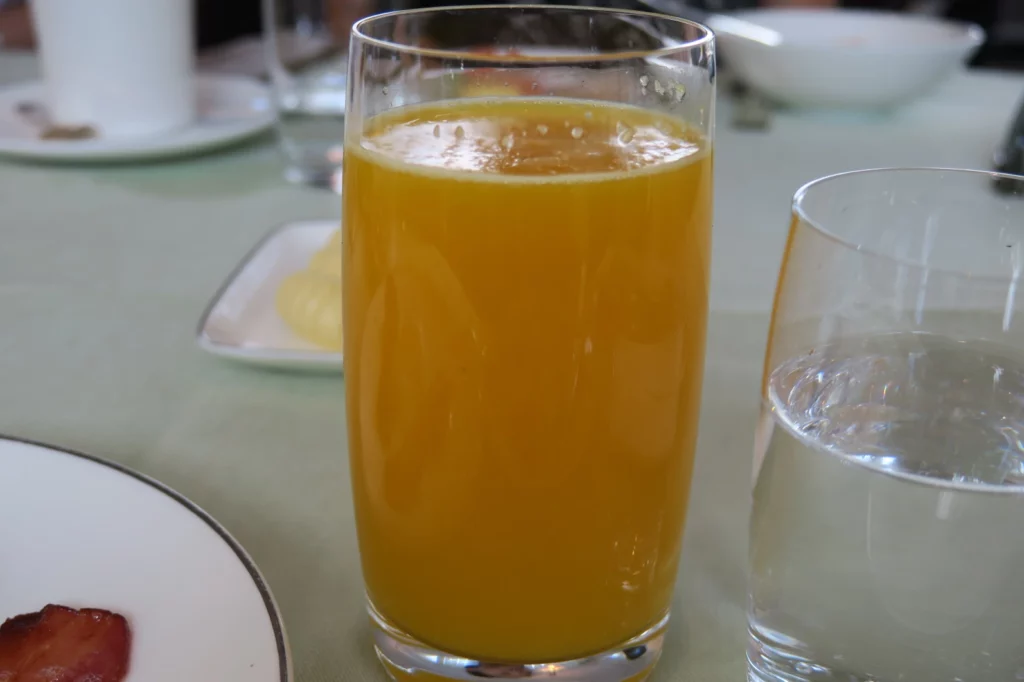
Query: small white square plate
(242,323)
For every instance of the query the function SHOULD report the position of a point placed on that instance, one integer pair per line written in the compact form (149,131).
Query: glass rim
(574,56)
(853,245)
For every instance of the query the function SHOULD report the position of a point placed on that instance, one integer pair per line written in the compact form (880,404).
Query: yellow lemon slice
(310,304)
(327,261)
(335,241)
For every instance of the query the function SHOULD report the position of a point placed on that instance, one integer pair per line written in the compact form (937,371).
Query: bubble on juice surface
(624,132)
(577,133)
(459,133)
(437,130)
(507,142)
(542,129)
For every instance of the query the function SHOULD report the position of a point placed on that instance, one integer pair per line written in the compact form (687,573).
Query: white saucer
(241,323)
(86,533)
(231,108)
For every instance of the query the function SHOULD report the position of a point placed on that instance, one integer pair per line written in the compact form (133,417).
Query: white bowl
(822,58)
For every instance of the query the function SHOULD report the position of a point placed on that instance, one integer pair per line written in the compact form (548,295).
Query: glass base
(404,657)
(324,177)
(772,658)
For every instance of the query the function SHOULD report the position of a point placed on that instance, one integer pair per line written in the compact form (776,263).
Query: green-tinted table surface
(105,270)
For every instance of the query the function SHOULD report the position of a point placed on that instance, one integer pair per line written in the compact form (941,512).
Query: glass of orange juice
(527,224)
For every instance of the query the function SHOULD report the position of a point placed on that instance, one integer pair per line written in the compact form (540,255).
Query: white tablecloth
(958,126)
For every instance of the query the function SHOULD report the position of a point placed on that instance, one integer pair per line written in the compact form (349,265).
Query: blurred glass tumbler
(887,531)
(306,44)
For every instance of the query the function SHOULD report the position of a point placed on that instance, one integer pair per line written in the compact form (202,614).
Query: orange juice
(526,286)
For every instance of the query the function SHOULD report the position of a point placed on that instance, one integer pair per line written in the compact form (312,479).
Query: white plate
(231,108)
(241,323)
(87,533)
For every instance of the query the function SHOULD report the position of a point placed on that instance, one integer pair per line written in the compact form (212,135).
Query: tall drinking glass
(527,220)
(887,533)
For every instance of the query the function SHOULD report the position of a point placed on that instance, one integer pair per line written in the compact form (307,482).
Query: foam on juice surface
(530,137)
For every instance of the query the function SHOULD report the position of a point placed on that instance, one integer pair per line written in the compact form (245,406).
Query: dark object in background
(1001,19)
(1009,158)
(220,21)
(456,31)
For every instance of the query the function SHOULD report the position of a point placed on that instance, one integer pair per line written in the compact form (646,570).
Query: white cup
(124,67)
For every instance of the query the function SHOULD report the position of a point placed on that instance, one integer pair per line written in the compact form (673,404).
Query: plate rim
(284,659)
(313,358)
(256,124)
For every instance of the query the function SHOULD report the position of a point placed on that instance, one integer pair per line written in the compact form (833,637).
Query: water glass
(887,531)
(306,43)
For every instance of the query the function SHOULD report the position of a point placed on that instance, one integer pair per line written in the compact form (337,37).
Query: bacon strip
(60,644)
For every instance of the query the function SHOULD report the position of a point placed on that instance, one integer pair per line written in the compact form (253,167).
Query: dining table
(106,268)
